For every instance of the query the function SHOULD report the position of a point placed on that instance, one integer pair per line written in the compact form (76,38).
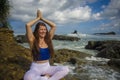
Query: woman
(40,42)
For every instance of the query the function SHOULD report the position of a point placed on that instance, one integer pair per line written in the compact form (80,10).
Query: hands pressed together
(39,14)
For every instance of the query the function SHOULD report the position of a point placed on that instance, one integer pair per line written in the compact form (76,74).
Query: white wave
(72,35)
(26,45)
(71,67)
(92,58)
(77,35)
(80,47)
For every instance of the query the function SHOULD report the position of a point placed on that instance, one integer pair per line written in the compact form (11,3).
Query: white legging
(38,69)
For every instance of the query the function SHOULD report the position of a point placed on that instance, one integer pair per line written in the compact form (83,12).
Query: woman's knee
(29,75)
(65,70)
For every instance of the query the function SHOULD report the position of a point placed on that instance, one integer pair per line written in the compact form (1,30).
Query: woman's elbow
(27,25)
(54,26)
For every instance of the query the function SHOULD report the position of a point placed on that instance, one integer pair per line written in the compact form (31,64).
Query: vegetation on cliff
(14,59)
(4,12)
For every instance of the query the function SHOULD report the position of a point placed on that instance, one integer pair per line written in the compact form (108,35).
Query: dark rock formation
(95,45)
(75,32)
(100,45)
(73,61)
(109,33)
(21,38)
(68,38)
(107,49)
(115,63)
(112,51)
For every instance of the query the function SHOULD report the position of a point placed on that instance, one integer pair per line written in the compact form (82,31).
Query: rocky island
(108,33)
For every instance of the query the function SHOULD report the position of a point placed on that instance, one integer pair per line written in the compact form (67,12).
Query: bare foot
(47,75)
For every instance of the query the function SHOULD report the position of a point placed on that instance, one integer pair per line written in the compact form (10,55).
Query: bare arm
(52,27)
(29,32)
(50,23)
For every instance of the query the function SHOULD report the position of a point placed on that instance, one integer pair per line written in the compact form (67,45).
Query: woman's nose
(44,30)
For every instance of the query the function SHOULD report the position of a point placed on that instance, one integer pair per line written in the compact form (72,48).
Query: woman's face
(42,31)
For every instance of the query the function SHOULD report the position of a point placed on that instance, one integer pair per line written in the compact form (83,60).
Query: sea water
(80,45)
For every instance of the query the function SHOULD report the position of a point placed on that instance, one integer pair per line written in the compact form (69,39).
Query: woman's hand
(39,14)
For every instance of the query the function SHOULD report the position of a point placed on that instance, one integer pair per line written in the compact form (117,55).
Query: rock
(109,33)
(14,59)
(72,61)
(75,32)
(93,44)
(107,49)
(62,37)
(100,45)
(21,39)
(65,55)
(112,51)
(115,63)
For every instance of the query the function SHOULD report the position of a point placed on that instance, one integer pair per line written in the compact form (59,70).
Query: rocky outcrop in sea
(63,37)
(107,49)
(108,33)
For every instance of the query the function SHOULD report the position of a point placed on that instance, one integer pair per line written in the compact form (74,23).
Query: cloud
(60,11)
(96,16)
(72,15)
(64,12)
(112,14)
(112,9)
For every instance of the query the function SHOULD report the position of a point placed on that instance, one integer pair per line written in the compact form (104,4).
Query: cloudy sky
(85,16)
